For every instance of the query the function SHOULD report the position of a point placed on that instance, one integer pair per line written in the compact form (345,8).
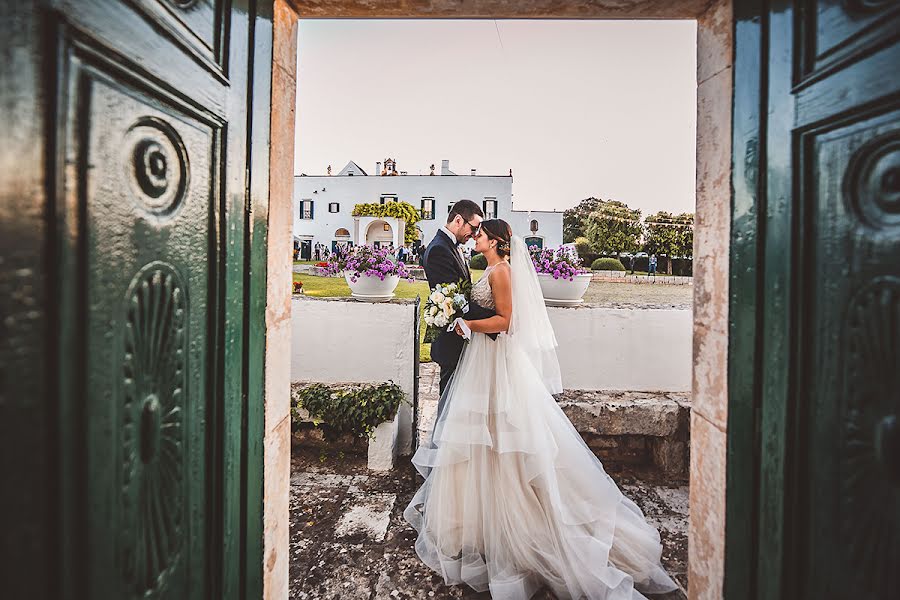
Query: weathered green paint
(130,421)
(846,183)
(818,324)
(256,280)
(28,462)
(748,140)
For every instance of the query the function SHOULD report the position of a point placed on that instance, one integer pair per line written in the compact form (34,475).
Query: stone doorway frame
(715,44)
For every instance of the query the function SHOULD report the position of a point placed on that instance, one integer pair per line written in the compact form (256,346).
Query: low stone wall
(633,428)
(646,350)
(341,340)
(625,277)
(381,448)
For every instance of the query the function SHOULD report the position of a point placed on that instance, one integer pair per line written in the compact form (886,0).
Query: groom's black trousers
(446,374)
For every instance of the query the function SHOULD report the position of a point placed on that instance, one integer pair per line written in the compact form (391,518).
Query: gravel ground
(632,295)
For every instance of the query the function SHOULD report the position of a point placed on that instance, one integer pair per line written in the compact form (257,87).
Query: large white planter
(562,292)
(373,289)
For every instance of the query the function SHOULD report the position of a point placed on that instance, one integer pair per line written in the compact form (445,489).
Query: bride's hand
(459,330)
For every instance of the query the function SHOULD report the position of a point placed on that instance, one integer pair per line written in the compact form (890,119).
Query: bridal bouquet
(446,302)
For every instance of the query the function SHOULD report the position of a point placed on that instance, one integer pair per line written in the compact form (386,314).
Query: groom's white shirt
(448,233)
(456,245)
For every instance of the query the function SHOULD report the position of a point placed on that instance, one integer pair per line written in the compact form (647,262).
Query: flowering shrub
(398,210)
(369,262)
(562,263)
(322,263)
(298,287)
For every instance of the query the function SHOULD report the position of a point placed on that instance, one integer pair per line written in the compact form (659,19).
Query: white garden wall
(337,340)
(624,349)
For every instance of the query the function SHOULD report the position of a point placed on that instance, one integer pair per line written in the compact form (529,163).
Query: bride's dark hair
(499,230)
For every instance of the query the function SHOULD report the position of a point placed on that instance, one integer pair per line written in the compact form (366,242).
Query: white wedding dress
(513,498)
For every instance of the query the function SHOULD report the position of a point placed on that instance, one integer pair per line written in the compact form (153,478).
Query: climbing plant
(397,210)
(354,408)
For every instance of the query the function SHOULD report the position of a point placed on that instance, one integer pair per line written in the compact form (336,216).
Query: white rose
(437,297)
(440,321)
(433,310)
(448,310)
(429,320)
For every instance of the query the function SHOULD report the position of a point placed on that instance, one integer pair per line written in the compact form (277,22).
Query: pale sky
(574,108)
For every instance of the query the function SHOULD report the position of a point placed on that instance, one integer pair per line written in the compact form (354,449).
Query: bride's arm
(502,292)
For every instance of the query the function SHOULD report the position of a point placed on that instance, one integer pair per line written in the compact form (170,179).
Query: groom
(444,263)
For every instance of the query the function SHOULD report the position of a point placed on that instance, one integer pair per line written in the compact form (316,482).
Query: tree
(670,235)
(574,218)
(614,228)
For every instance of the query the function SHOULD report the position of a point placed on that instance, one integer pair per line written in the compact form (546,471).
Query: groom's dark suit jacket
(444,264)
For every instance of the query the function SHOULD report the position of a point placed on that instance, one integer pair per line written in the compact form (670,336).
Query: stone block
(670,456)
(278,374)
(284,36)
(625,413)
(276,496)
(365,517)
(383,446)
(710,395)
(618,449)
(707,519)
(714,40)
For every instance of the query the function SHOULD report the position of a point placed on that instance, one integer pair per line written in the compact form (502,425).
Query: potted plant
(562,278)
(371,273)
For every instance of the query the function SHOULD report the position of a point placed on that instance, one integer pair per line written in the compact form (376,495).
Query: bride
(513,499)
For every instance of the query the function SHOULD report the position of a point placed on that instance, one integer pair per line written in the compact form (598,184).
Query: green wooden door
(151,456)
(814,457)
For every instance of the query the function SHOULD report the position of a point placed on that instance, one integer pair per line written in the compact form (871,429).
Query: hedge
(478,262)
(607,264)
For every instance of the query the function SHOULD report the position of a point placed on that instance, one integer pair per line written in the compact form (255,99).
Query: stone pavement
(349,539)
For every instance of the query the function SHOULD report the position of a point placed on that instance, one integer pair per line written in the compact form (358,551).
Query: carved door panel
(842,435)
(151,165)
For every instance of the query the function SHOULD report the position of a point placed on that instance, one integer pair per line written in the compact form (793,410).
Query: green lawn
(599,292)
(331,287)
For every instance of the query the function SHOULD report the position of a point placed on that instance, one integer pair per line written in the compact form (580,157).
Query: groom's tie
(462,259)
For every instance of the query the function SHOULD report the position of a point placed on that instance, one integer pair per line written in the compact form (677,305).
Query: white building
(323,206)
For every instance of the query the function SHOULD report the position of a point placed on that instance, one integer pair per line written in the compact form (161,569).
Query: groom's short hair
(466,209)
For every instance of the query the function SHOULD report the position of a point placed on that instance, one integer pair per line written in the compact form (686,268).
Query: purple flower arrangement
(369,262)
(561,263)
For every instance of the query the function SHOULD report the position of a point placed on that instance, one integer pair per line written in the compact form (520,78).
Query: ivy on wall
(397,210)
(353,408)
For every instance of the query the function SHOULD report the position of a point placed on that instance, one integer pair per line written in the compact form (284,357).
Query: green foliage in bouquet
(397,210)
(354,409)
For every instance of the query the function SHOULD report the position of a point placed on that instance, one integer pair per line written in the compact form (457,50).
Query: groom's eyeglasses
(474,228)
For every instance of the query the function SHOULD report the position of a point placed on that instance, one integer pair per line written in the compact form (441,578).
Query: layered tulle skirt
(514,500)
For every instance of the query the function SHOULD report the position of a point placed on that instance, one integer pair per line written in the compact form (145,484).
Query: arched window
(534,226)
(341,233)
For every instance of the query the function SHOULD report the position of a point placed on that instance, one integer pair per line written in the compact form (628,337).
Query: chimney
(473,172)
(445,167)
(378,168)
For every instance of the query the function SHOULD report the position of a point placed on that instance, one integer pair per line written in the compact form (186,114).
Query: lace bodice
(481,291)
